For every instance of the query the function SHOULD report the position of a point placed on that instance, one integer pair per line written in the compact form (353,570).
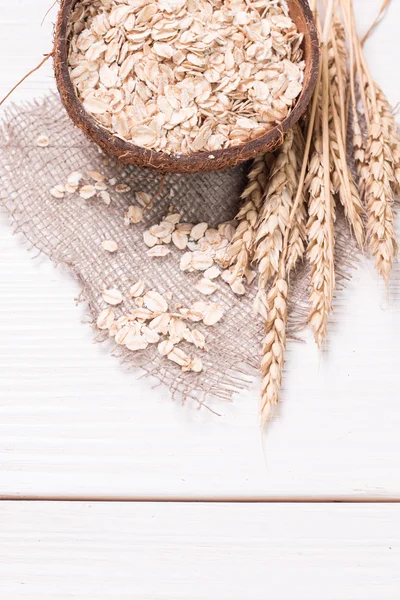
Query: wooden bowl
(197,161)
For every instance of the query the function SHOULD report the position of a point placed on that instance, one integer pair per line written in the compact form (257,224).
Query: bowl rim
(189,162)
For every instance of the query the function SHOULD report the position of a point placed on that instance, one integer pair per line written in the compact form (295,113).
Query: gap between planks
(206,500)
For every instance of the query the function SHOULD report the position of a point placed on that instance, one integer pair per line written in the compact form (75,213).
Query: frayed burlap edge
(55,228)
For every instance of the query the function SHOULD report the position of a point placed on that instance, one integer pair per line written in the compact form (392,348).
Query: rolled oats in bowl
(183,76)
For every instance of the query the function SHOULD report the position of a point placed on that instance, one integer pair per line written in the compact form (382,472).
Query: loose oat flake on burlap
(79,220)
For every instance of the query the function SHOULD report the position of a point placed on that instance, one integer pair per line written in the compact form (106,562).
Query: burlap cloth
(70,231)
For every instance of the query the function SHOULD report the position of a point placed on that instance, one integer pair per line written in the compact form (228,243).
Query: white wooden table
(110,490)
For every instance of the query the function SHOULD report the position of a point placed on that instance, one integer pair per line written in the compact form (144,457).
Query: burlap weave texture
(70,231)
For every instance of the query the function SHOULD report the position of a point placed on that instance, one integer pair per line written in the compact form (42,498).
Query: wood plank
(74,424)
(199,551)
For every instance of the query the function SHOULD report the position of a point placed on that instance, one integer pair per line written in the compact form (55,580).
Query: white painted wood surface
(135,551)
(74,424)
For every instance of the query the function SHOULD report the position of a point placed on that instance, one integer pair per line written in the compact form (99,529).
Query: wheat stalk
(321,209)
(391,131)
(342,178)
(378,176)
(275,212)
(274,347)
(320,249)
(239,253)
(379,196)
(376,162)
(274,304)
(337,57)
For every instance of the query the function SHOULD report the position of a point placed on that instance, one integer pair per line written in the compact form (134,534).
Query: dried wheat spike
(345,187)
(240,250)
(273,359)
(275,213)
(379,196)
(392,132)
(298,232)
(337,65)
(319,251)
(342,178)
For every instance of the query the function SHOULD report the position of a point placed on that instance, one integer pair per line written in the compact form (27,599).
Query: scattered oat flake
(158,251)
(142,314)
(110,245)
(184,228)
(122,334)
(135,343)
(213,313)
(177,329)
(165,347)
(198,231)
(162,230)
(193,315)
(179,240)
(196,365)
(206,286)
(198,339)
(58,191)
(106,319)
(105,196)
(143,199)
(212,273)
(96,176)
(155,302)
(42,141)
(135,214)
(160,323)
(150,335)
(186,261)
(149,239)
(87,191)
(179,357)
(122,188)
(137,289)
(201,261)
(173,218)
(228,276)
(238,288)
(112,296)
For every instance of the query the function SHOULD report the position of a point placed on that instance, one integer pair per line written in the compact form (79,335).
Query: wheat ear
(273,359)
(379,196)
(391,131)
(239,253)
(275,212)
(320,251)
(342,178)
(379,179)
(275,303)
